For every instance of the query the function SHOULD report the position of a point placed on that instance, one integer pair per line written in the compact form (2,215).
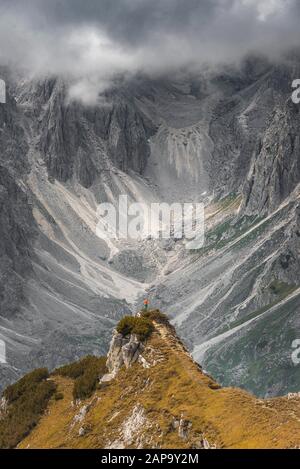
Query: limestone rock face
(183,428)
(115,357)
(79,141)
(122,351)
(275,170)
(3,407)
(131,351)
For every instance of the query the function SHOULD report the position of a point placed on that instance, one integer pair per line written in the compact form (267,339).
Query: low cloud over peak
(92,41)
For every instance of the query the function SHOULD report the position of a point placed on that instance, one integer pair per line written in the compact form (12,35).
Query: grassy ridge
(27,399)
(170,389)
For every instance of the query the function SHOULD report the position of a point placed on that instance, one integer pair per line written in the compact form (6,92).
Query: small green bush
(85,385)
(58,396)
(143,328)
(14,391)
(156,315)
(74,370)
(126,325)
(27,400)
(140,326)
(213,385)
(86,374)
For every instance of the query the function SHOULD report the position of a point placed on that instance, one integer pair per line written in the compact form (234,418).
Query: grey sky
(94,39)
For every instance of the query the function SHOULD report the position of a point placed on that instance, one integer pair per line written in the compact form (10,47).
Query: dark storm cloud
(126,20)
(94,39)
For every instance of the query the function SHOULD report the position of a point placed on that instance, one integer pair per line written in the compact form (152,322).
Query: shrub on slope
(141,326)
(27,399)
(86,374)
(157,316)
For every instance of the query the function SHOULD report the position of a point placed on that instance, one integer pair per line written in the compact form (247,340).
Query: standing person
(146,304)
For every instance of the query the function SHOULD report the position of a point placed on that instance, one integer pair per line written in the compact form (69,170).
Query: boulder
(122,351)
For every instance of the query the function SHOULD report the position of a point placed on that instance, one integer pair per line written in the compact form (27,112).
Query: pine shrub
(141,326)
(156,315)
(86,374)
(27,400)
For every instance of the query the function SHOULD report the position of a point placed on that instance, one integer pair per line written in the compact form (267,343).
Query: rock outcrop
(122,351)
(3,407)
(275,171)
(79,141)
